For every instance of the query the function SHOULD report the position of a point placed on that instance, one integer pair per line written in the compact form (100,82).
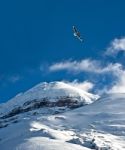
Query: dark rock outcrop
(37,104)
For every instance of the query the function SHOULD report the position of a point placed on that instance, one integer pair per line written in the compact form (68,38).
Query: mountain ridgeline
(53,97)
(45,117)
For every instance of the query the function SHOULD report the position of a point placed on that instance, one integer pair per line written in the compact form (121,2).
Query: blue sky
(36,36)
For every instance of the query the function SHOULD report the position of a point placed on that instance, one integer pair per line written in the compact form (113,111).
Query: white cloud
(86,65)
(119,85)
(115,70)
(86,85)
(116,46)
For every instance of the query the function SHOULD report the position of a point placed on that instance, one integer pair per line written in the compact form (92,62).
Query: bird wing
(75,30)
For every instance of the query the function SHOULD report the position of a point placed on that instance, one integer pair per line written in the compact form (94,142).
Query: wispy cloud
(115,46)
(115,70)
(9,79)
(14,78)
(86,85)
(86,65)
(119,84)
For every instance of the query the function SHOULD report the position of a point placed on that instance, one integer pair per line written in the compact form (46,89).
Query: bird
(76,33)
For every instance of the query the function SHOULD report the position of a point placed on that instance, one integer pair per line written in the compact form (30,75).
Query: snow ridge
(51,91)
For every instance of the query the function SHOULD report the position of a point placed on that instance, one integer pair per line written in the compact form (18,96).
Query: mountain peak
(53,93)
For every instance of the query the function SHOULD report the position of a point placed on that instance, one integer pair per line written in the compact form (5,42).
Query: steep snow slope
(100,125)
(52,92)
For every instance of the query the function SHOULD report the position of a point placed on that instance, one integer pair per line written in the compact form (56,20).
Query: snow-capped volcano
(38,119)
(53,94)
(97,126)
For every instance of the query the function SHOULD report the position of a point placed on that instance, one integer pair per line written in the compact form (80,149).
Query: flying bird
(76,33)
